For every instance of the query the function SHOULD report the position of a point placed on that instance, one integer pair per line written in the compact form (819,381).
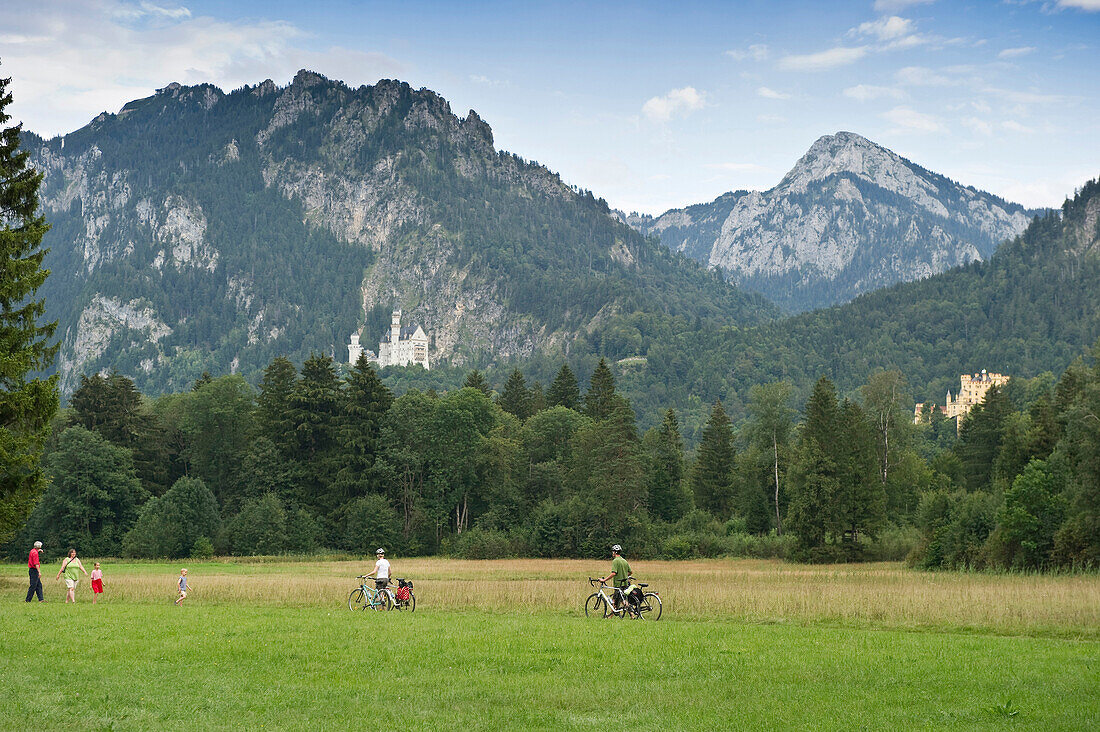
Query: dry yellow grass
(886,595)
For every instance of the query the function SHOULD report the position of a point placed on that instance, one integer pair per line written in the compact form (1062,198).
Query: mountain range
(197,230)
(849,218)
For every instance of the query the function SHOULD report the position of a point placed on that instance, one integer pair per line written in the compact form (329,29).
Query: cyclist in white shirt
(381,571)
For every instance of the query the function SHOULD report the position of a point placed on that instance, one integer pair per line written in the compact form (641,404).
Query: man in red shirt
(34,568)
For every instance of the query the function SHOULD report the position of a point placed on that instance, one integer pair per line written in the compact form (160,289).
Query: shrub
(481,544)
(203,549)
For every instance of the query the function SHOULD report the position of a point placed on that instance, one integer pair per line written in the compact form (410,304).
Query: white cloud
(771,93)
(757,52)
(771,118)
(893,6)
(677,102)
(867,92)
(823,60)
(908,120)
(1015,52)
(1091,6)
(978,125)
(1014,126)
(923,76)
(140,47)
(886,28)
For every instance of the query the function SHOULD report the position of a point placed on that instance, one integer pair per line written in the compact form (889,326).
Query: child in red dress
(97,583)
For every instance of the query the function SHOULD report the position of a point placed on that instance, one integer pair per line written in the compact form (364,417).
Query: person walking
(69,568)
(620,570)
(97,583)
(181,586)
(34,568)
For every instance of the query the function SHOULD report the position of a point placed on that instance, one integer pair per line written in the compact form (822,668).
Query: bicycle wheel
(594,606)
(411,604)
(385,601)
(355,599)
(650,609)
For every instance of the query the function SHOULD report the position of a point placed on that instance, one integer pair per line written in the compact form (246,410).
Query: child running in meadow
(182,587)
(97,583)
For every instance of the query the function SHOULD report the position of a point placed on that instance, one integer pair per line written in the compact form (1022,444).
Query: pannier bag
(402,594)
(635,595)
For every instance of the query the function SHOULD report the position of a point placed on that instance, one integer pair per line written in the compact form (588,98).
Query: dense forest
(313,460)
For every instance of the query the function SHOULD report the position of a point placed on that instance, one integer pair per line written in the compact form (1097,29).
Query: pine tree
(815,479)
(474,380)
(537,398)
(669,498)
(712,473)
(601,392)
(274,418)
(315,406)
(564,390)
(516,399)
(365,403)
(859,506)
(26,405)
(980,439)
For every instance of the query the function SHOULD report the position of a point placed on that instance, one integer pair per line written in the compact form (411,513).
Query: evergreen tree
(218,423)
(815,480)
(980,439)
(315,408)
(366,401)
(608,470)
(26,405)
(669,497)
(537,398)
(274,415)
(516,399)
(712,473)
(474,380)
(601,392)
(859,505)
(564,390)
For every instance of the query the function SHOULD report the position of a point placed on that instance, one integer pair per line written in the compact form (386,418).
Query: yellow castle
(972,391)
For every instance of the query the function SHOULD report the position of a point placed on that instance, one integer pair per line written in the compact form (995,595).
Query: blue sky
(651,105)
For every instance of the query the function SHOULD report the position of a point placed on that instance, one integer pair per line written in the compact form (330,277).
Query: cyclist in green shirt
(620,570)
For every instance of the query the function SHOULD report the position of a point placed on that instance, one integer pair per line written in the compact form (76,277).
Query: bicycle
(600,604)
(365,597)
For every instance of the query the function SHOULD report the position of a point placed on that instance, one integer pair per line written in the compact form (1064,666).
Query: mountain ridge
(203,230)
(850,216)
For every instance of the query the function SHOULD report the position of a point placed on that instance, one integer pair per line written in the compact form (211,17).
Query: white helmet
(380,551)
(616,548)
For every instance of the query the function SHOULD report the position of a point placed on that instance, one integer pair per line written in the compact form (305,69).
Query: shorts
(97,586)
(183,593)
(381,584)
(71,584)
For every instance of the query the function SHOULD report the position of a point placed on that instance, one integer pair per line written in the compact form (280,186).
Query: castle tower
(395,328)
(354,349)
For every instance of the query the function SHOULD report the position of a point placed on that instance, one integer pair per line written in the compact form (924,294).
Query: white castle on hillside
(398,347)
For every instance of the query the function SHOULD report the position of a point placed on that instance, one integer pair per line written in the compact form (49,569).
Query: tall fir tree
(274,416)
(669,497)
(516,399)
(474,380)
(859,506)
(365,403)
(600,398)
(564,390)
(26,404)
(712,473)
(980,439)
(315,406)
(815,478)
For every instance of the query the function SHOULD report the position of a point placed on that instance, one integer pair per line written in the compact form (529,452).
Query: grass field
(504,645)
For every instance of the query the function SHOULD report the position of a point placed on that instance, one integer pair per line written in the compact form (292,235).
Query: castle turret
(354,349)
(395,328)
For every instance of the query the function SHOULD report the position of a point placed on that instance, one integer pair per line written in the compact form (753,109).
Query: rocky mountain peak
(847,152)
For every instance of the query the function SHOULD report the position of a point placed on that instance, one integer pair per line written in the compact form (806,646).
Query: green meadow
(291,656)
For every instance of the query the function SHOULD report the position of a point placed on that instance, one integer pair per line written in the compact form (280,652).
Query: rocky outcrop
(850,217)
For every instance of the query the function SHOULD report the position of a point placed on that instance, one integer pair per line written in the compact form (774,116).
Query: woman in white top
(381,571)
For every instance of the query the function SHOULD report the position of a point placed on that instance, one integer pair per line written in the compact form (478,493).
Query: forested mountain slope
(1032,307)
(849,218)
(198,230)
